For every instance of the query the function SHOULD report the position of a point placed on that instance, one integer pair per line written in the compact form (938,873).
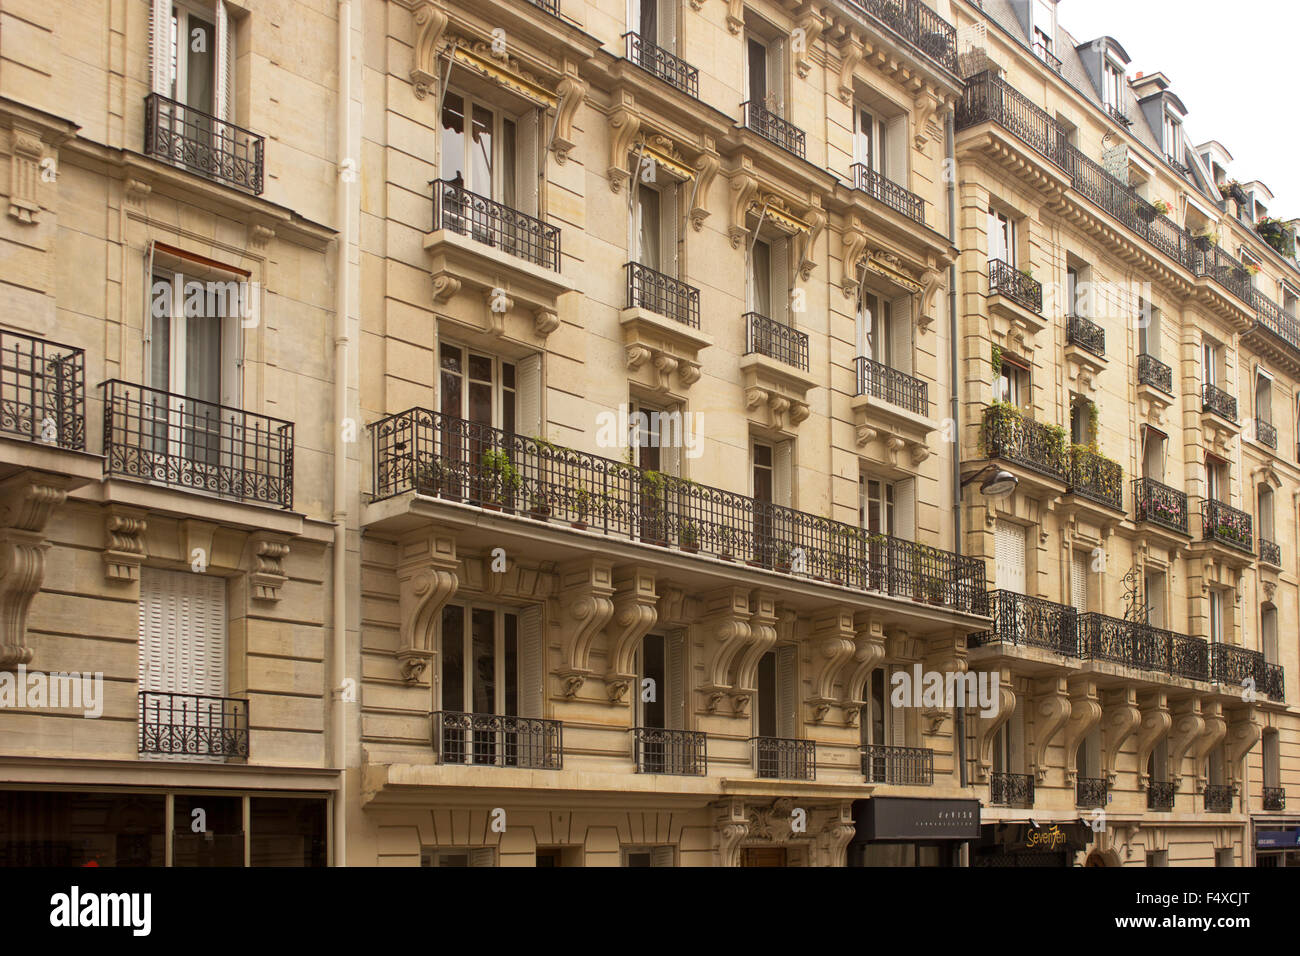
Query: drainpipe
(949,135)
(342,363)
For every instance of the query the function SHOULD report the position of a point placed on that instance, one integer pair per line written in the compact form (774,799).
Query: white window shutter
(1010,557)
(160,46)
(896,141)
(776,76)
(905,509)
(787,690)
(667,16)
(1079,581)
(779,278)
(662,856)
(783,474)
(528,397)
(532,670)
(901,333)
(526,163)
(675,670)
(483,856)
(182,632)
(232,353)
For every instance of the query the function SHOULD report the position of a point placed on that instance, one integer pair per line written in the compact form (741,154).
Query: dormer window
(1044,31)
(1173,136)
(1112,87)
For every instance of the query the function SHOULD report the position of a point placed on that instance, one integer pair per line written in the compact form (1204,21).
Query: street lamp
(998,482)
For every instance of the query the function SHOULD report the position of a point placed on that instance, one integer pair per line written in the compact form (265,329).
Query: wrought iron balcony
(1212,261)
(1216,400)
(784,758)
(1019,287)
(1119,116)
(662,294)
(1275,320)
(1274,798)
(1159,504)
(1266,433)
(438,455)
(677,752)
(1225,524)
(1086,334)
(1273,685)
(1270,552)
(656,60)
(913,21)
(1090,793)
(192,725)
(1096,477)
(1144,646)
(171,439)
(1008,434)
(1153,372)
(1160,795)
(1047,56)
(885,190)
(42,391)
(497,740)
(1022,620)
(494,224)
(1218,798)
(906,766)
(893,386)
(776,340)
(550,6)
(221,151)
(1011,789)
(1233,665)
(773,128)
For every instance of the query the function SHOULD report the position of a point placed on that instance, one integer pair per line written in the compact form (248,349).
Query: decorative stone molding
(812,23)
(931,281)
(545,321)
(833,636)
(763,627)
(868,652)
(495,306)
(735,15)
(1085,714)
(445,285)
(635,613)
(731,827)
(1244,731)
(136,191)
(1153,403)
(852,51)
(664,348)
(725,625)
(1188,725)
(266,554)
(1155,726)
(706,170)
(572,92)
(1120,719)
(989,726)
(260,236)
(808,240)
(926,103)
(836,835)
(586,601)
(624,124)
(1051,713)
(26,151)
(26,502)
(430,25)
(744,186)
(426,580)
(124,550)
(853,242)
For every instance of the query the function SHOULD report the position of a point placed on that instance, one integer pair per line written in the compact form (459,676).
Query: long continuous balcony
(1008,434)
(893,386)
(885,190)
(1159,504)
(675,752)
(1086,334)
(176,440)
(496,740)
(773,128)
(550,6)
(1105,638)
(1274,798)
(1216,400)
(1025,621)
(784,758)
(916,23)
(458,460)
(1020,287)
(1233,665)
(1225,524)
(1160,795)
(192,726)
(1211,260)
(1090,793)
(42,391)
(662,294)
(1275,321)
(908,766)
(1218,798)
(1153,372)
(1011,790)
(1096,477)
(495,224)
(764,336)
(186,137)
(656,60)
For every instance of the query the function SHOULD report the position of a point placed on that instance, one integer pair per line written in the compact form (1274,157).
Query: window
(1002,238)
(1009,743)
(876,505)
(650,856)
(1148,329)
(880,143)
(887,726)
(1082,430)
(1268,632)
(768,288)
(1216,479)
(478,388)
(654,21)
(884,330)
(662,662)
(765,72)
(1011,543)
(1263,398)
(489,153)
(771,489)
(491,661)
(1216,616)
(463,856)
(1264,513)
(1088,757)
(657,437)
(777,710)
(194,55)
(1272,759)
(1211,362)
(1158,762)
(1173,132)
(1154,444)
(654,238)
(1153,587)
(1112,86)
(1078,290)
(1012,383)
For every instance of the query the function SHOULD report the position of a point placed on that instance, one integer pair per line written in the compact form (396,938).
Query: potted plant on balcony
(726,537)
(1277,235)
(429,477)
(1161,207)
(1145,211)
(1204,240)
(500,479)
(935,590)
(582,504)
(688,537)
(653,488)
(540,505)
(781,558)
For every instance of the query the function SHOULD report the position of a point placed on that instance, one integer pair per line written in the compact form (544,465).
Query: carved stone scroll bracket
(426,579)
(1085,715)
(763,630)
(851,53)
(624,123)
(706,170)
(587,591)
(1121,718)
(265,554)
(735,15)
(1244,731)
(1212,734)
(989,726)
(1188,725)
(731,828)
(744,184)
(853,243)
(868,652)
(635,613)
(572,92)
(26,502)
(833,637)
(124,549)
(727,631)
(26,152)
(836,835)
(1156,721)
(430,25)
(812,24)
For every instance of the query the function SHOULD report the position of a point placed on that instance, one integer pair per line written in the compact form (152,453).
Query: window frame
(499,655)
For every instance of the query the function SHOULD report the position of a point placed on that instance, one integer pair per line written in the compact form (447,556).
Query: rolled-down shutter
(787,689)
(1079,581)
(160,47)
(182,632)
(1010,556)
(675,672)
(663,856)
(483,856)
(532,671)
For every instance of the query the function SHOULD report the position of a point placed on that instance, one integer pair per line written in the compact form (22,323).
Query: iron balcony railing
(764,336)
(1225,524)
(655,60)
(1275,320)
(1096,477)
(1047,56)
(1274,686)
(1090,793)
(192,725)
(550,6)
(885,190)
(662,295)
(1019,287)
(1119,116)
(1233,665)
(1009,435)
(773,128)
(678,752)
(458,460)
(1159,504)
(1153,372)
(1160,795)
(1266,433)
(180,134)
(893,386)
(1218,798)
(176,440)
(1144,646)
(1022,620)
(1212,261)
(1086,334)
(1011,789)
(1216,400)
(42,391)
(1274,798)
(494,224)
(784,758)
(914,22)
(498,740)
(905,766)
(1270,552)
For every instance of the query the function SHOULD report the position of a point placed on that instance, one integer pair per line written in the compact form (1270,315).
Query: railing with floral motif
(774,128)
(1153,372)
(662,294)
(1270,552)
(458,460)
(193,725)
(1224,523)
(187,137)
(764,336)
(1011,789)
(1216,400)
(1086,334)
(885,190)
(1160,795)
(1266,433)
(42,391)
(498,740)
(1218,798)
(1145,646)
(495,224)
(912,766)
(881,381)
(1024,620)
(673,752)
(1020,287)
(1274,798)
(913,21)
(1234,665)
(1273,684)
(784,758)
(1006,433)
(1160,504)
(1091,793)
(656,60)
(1096,477)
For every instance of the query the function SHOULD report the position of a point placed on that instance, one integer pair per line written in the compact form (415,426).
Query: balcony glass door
(477,393)
(479,156)
(479,676)
(869,140)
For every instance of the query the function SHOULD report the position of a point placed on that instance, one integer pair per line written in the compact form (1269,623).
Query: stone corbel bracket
(833,636)
(989,726)
(868,653)
(426,578)
(765,625)
(430,26)
(27,500)
(853,242)
(636,611)
(1188,725)
(587,602)
(26,152)
(735,15)
(836,834)
(852,50)
(1244,731)
(265,554)
(624,124)
(1121,718)
(1085,714)
(572,94)
(124,550)
(744,186)
(731,827)
(1155,726)
(1051,713)
(816,217)
(726,627)
(1215,729)
(812,23)
(706,170)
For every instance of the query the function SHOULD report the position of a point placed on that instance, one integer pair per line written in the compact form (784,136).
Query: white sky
(1230,64)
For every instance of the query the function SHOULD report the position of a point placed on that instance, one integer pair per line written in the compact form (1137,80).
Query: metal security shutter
(532,670)
(779,280)
(787,690)
(528,397)
(1010,556)
(182,632)
(901,334)
(483,856)
(663,856)
(675,673)
(160,54)
(1079,581)
(905,509)
(225,92)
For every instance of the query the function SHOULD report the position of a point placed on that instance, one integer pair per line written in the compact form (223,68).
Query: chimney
(1139,75)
